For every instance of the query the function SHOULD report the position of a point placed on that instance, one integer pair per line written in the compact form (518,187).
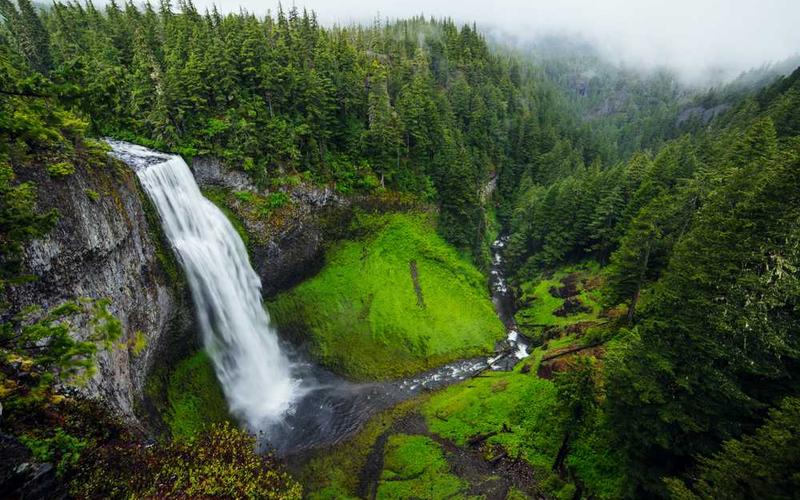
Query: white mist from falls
(253,371)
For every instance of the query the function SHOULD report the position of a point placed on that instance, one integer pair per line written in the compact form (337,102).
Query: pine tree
(715,340)
(35,38)
(765,464)
(28,33)
(576,391)
(382,138)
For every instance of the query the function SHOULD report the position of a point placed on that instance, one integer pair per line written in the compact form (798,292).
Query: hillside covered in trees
(650,236)
(415,106)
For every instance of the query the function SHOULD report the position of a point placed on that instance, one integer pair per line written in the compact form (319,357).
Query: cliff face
(288,245)
(286,248)
(107,244)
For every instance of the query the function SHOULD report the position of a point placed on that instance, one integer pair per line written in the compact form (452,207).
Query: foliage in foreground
(220,462)
(765,464)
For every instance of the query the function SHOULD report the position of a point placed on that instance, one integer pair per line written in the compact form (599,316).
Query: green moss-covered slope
(556,304)
(415,467)
(394,302)
(496,419)
(517,407)
(195,397)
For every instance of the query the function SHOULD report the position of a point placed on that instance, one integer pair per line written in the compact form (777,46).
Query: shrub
(221,462)
(92,194)
(138,343)
(61,169)
(62,449)
(43,347)
(277,199)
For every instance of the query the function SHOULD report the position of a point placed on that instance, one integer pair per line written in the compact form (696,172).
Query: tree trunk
(635,297)
(558,465)
(632,306)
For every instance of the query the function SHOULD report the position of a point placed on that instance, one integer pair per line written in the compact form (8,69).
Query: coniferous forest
(379,176)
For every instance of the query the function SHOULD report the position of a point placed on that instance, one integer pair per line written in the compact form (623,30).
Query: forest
(651,242)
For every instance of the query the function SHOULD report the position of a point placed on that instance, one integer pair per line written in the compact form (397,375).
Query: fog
(697,38)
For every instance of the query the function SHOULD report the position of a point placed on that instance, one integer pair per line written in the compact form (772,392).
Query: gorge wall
(108,244)
(287,248)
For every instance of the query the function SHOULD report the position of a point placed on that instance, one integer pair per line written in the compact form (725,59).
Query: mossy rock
(397,301)
(415,467)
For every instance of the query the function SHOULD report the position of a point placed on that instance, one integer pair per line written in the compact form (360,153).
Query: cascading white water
(255,375)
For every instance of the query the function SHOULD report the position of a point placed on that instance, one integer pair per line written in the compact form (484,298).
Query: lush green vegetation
(45,352)
(513,415)
(41,356)
(419,106)
(335,472)
(265,215)
(62,449)
(415,467)
(195,397)
(697,235)
(571,294)
(700,244)
(549,401)
(220,462)
(531,418)
(39,348)
(754,466)
(517,408)
(411,301)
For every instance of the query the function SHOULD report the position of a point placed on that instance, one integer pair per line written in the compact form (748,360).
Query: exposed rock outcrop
(108,244)
(288,248)
(211,172)
(22,477)
(701,114)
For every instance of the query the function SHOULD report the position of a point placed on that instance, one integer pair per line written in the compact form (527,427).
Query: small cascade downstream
(277,392)
(503,301)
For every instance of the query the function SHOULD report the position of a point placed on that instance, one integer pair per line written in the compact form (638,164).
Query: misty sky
(691,36)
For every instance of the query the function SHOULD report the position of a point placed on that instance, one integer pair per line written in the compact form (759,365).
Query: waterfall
(255,375)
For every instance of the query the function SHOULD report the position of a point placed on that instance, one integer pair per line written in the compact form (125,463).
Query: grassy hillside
(415,467)
(394,302)
(471,434)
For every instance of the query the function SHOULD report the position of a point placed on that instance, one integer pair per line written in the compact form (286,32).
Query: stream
(278,392)
(335,409)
